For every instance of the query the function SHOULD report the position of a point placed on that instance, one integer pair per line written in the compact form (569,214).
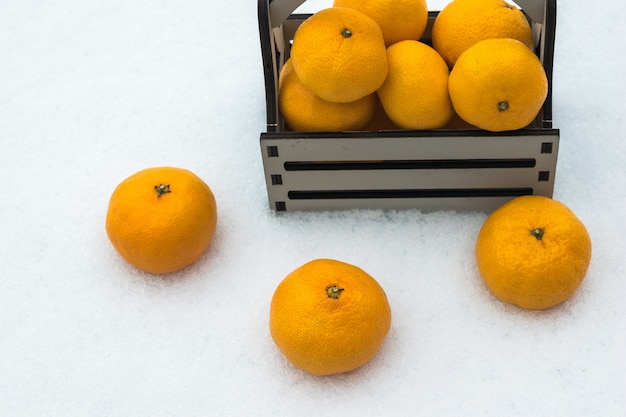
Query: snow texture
(93,91)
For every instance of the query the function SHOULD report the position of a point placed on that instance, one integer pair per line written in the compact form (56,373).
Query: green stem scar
(538,233)
(162,189)
(333,291)
(346,33)
(503,105)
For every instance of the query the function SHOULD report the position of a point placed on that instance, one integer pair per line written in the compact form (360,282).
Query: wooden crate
(443,169)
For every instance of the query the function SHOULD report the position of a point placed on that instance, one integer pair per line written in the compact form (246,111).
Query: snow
(93,91)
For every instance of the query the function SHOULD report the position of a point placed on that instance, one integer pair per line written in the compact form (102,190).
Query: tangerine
(462,23)
(399,20)
(533,252)
(498,85)
(161,219)
(415,93)
(304,111)
(329,317)
(339,54)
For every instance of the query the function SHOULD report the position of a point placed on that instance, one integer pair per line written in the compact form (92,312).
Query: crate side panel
(404,179)
(486,204)
(422,147)
(276,152)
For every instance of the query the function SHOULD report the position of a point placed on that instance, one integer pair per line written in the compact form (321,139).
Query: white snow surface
(93,91)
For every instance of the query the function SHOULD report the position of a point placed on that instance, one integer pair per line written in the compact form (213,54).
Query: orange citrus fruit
(304,111)
(329,317)
(462,23)
(161,219)
(399,20)
(339,54)
(497,85)
(380,120)
(457,123)
(415,93)
(533,252)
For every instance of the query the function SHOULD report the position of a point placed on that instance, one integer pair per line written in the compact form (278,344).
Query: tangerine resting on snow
(339,54)
(161,219)
(329,317)
(533,252)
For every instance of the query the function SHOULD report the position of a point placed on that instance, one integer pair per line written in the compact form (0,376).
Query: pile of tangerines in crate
(360,65)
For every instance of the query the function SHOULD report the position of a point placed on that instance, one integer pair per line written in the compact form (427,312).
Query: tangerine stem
(162,189)
(346,33)
(538,233)
(333,291)
(503,105)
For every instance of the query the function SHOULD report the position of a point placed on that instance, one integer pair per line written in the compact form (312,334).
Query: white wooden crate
(397,169)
